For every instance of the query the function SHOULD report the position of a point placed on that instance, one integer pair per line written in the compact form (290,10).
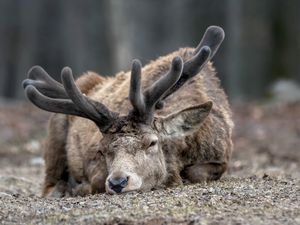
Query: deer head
(131,144)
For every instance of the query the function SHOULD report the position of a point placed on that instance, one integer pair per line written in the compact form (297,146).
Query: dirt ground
(262,185)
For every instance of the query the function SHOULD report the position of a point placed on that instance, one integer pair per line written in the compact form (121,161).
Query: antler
(144,103)
(66,98)
(50,95)
(42,81)
(204,52)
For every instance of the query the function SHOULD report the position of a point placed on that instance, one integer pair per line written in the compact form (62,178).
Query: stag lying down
(157,126)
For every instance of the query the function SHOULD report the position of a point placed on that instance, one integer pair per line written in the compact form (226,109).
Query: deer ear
(185,121)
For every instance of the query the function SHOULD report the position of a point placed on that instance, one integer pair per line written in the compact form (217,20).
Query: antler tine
(93,110)
(143,103)
(41,80)
(135,94)
(190,69)
(207,48)
(50,104)
(160,87)
(197,62)
(73,101)
(76,96)
(213,37)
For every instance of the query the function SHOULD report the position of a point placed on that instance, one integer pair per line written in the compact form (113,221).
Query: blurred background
(262,44)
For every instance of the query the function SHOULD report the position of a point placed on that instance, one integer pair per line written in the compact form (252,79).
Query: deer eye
(152,143)
(149,141)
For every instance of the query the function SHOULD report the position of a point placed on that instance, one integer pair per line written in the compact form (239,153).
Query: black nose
(118,184)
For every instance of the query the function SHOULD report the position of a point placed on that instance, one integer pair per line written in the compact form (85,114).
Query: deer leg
(96,172)
(57,176)
(174,179)
(205,171)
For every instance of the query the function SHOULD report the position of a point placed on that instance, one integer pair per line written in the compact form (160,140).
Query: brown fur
(88,81)
(72,146)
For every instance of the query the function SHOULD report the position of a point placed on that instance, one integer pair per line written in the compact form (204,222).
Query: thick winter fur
(75,165)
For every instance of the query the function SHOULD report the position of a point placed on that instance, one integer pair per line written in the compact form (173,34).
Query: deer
(162,125)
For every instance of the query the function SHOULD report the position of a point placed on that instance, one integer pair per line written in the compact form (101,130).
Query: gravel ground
(262,185)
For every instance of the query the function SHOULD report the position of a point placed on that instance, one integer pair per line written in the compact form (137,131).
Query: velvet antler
(144,103)
(66,98)
(204,52)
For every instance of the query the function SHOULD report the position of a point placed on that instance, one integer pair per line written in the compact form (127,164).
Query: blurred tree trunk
(27,45)
(85,36)
(133,31)
(291,41)
(121,31)
(49,43)
(250,48)
(9,48)
(233,44)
